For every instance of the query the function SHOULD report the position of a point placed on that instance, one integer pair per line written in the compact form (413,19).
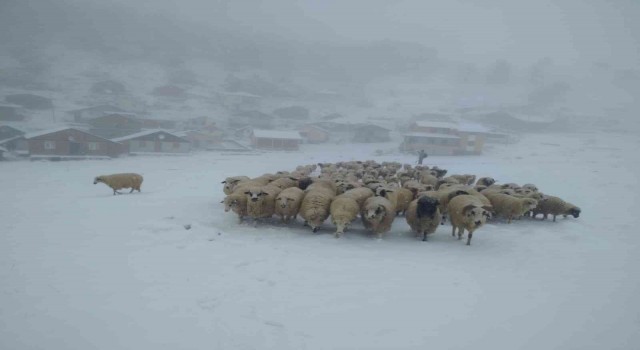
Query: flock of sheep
(379,192)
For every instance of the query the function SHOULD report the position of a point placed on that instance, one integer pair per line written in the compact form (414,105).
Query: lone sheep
(120,181)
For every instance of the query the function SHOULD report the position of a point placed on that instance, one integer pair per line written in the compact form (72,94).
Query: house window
(93,146)
(49,145)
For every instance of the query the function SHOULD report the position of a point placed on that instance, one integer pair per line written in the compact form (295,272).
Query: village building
(70,143)
(444,138)
(154,142)
(286,140)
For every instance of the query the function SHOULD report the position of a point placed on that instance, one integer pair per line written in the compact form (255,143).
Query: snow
(277,134)
(142,133)
(82,269)
(47,131)
(431,135)
(445,125)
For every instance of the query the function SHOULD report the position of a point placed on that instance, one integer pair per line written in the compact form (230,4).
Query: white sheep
(555,206)
(423,216)
(288,203)
(343,210)
(120,181)
(237,202)
(511,207)
(261,201)
(231,182)
(377,215)
(315,206)
(467,213)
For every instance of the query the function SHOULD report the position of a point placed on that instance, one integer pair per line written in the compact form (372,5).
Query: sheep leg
(509,219)
(469,237)
(424,236)
(554,218)
(131,190)
(453,230)
(460,233)
(315,229)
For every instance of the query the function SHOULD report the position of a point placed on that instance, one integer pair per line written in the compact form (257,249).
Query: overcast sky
(522,31)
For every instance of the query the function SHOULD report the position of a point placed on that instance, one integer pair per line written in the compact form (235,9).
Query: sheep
(423,216)
(359,194)
(404,197)
(261,201)
(315,206)
(555,206)
(231,182)
(120,181)
(467,213)
(531,187)
(284,182)
(237,202)
(428,179)
(466,179)
(511,207)
(344,210)
(377,215)
(485,181)
(288,203)
(389,194)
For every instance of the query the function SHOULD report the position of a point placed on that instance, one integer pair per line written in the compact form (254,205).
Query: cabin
(313,134)
(283,140)
(2,152)
(115,125)
(10,113)
(157,124)
(445,138)
(70,143)
(370,133)
(472,137)
(154,142)
(432,143)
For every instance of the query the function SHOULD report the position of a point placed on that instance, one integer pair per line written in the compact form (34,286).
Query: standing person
(421,156)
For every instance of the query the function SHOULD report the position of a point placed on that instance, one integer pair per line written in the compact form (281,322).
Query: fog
(548,58)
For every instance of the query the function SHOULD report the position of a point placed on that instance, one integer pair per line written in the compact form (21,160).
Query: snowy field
(82,269)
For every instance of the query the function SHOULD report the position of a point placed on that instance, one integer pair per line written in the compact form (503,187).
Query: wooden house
(154,142)
(285,140)
(313,133)
(70,143)
(444,138)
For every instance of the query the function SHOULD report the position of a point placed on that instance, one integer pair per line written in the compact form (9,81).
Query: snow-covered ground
(82,269)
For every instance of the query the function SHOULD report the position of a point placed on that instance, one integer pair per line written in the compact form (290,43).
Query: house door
(74,148)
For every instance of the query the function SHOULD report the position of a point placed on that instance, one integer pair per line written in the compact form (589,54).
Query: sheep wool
(120,181)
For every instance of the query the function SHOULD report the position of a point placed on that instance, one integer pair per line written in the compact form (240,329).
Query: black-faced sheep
(423,216)
(120,181)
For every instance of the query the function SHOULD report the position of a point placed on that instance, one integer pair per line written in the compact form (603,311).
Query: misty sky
(468,30)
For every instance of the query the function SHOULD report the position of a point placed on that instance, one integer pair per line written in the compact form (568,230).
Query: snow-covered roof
(473,127)
(2,149)
(11,139)
(48,131)
(142,133)
(9,105)
(277,134)
(431,135)
(444,125)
